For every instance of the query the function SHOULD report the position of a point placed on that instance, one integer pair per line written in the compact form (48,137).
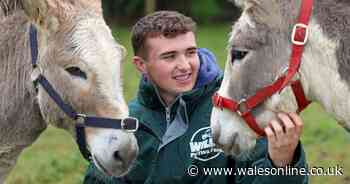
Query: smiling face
(172,63)
(165,51)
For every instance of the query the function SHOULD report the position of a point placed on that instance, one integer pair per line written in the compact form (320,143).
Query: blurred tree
(228,11)
(183,6)
(122,11)
(126,11)
(205,10)
(150,6)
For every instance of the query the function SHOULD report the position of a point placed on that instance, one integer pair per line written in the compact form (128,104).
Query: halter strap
(299,38)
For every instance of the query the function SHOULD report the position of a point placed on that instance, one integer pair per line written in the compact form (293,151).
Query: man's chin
(184,88)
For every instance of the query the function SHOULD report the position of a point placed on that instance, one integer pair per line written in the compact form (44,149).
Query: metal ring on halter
(297,76)
(37,71)
(239,109)
(282,72)
(81,118)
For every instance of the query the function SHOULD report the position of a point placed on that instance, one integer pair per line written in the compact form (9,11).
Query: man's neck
(168,99)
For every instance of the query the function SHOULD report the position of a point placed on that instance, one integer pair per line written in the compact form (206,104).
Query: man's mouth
(183,78)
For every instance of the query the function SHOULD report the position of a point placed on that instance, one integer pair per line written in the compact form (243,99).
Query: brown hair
(166,23)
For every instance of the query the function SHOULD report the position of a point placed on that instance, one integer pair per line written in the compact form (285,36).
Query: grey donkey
(262,40)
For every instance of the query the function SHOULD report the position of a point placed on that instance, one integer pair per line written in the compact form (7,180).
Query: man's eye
(167,57)
(191,53)
(238,55)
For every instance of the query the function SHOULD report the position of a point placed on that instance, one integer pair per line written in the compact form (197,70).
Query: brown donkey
(80,59)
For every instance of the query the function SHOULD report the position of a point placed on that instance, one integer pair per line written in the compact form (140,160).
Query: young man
(174,102)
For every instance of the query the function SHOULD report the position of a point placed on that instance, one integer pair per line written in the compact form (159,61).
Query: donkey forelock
(65,8)
(274,13)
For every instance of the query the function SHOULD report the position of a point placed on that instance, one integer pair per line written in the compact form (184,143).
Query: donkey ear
(238,3)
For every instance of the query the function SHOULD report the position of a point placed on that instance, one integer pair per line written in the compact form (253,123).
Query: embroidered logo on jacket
(202,145)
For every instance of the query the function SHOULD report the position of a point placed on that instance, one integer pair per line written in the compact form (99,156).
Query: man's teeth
(183,77)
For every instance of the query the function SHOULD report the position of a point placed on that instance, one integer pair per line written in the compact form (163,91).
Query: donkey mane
(14,57)
(334,17)
(17,95)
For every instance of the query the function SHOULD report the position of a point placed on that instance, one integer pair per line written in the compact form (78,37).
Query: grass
(55,158)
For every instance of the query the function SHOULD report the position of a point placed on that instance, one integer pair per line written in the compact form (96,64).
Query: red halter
(244,106)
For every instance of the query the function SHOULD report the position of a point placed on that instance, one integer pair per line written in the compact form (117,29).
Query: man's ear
(139,64)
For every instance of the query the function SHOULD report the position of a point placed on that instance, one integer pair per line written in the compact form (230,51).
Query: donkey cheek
(84,92)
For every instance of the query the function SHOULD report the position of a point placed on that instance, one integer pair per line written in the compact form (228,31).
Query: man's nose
(184,63)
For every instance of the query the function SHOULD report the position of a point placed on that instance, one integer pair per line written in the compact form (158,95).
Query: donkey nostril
(116,155)
(215,136)
(215,131)
(235,145)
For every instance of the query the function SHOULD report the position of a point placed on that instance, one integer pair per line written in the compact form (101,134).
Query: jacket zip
(167,108)
(167,115)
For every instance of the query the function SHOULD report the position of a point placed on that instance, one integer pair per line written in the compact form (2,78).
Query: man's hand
(283,138)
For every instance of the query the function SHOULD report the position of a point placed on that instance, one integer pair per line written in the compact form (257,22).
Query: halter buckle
(128,126)
(306,36)
(81,118)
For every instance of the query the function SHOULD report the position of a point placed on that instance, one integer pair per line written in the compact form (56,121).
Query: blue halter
(128,124)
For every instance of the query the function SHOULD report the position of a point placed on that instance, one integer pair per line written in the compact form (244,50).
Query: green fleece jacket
(177,142)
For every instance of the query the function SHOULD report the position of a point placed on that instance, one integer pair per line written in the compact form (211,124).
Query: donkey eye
(238,55)
(76,72)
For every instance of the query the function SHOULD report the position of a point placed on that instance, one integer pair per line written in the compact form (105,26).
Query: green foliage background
(201,10)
